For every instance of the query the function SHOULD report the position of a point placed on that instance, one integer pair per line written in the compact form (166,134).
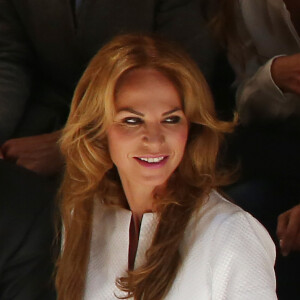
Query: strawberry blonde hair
(90,171)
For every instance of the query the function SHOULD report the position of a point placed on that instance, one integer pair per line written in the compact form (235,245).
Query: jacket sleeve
(242,260)
(15,69)
(258,98)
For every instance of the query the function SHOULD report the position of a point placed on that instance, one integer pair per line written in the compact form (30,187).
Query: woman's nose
(153,134)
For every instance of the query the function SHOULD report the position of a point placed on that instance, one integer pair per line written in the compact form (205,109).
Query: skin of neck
(140,198)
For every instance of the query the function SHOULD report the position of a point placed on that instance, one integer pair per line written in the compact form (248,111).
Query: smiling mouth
(152,161)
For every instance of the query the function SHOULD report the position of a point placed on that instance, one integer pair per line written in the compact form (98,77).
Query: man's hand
(288,230)
(38,153)
(286,73)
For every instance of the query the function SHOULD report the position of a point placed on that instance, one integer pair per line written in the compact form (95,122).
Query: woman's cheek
(183,134)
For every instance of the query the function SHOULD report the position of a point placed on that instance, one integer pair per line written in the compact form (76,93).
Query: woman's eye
(132,121)
(172,120)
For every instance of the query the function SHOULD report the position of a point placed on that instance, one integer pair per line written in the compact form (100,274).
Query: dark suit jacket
(44,49)
(26,235)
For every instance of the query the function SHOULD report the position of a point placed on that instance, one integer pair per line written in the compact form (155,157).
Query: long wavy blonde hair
(90,171)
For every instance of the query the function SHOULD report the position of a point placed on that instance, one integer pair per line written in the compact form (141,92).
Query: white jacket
(227,254)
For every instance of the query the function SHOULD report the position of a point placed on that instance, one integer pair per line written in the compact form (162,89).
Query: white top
(227,254)
(266,31)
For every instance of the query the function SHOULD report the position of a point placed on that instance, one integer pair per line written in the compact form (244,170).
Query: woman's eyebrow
(131,110)
(171,111)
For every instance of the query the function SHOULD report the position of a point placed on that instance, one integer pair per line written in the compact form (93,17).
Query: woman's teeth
(152,159)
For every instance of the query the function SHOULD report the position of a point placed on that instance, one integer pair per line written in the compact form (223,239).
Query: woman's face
(148,136)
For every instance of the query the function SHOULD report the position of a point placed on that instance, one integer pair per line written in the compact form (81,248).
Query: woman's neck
(139,201)
(140,198)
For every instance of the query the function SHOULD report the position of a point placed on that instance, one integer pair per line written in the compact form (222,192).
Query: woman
(141,218)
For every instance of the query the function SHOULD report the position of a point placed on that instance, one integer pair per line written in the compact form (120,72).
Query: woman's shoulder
(226,222)
(218,208)
(235,251)
(219,203)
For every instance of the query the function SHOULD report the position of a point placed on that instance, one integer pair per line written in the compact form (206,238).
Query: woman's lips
(152,161)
